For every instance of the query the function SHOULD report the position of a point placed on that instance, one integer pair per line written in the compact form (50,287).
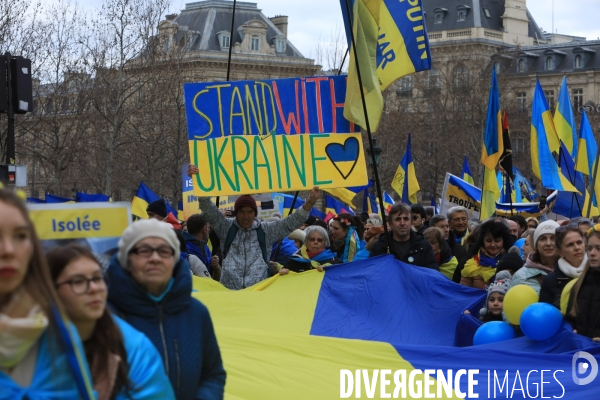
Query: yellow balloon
(516,300)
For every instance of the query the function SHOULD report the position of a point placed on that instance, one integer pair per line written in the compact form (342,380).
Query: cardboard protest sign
(274,135)
(97,226)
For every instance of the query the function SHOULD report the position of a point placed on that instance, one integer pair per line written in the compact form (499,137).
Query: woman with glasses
(583,310)
(570,246)
(151,287)
(314,252)
(124,363)
(346,236)
(37,342)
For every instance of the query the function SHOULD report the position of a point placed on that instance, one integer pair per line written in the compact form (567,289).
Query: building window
(460,16)
(487,12)
(255,43)
(518,146)
(225,41)
(549,63)
(438,18)
(522,101)
(432,80)
(521,65)
(280,45)
(405,87)
(550,98)
(578,62)
(577,98)
(166,44)
(461,76)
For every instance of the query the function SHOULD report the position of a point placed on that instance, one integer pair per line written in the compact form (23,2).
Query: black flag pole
(229,59)
(368,128)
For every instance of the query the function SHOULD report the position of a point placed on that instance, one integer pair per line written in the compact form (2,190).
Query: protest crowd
(134,331)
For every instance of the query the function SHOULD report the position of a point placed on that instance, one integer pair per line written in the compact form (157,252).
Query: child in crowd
(492,311)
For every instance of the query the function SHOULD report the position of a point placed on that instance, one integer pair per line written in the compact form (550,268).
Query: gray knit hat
(144,229)
(500,285)
(544,228)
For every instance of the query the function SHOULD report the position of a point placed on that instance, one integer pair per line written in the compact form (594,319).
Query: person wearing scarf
(570,245)
(41,356)
(492,243)
(346,235)
(542,260)
(314,252)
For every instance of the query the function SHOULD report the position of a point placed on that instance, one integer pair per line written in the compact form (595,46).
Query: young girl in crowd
(583,310)
(124,363)
(36,340)
(570,246)
(443,255)
(495,298)
(346,235)
(542,260)
(492,243)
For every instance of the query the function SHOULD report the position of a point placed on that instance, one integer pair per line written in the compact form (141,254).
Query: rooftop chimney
(281,22)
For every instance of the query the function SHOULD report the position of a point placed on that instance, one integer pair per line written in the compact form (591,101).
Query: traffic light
(20,71)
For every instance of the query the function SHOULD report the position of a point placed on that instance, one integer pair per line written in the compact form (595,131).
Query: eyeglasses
(147,251)
(81,285)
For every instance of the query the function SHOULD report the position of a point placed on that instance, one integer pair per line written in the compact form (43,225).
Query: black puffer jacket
(458,250)
(552,287)
(419,253)
(587,321)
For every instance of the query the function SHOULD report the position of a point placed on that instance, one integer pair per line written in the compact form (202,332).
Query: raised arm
(278,230)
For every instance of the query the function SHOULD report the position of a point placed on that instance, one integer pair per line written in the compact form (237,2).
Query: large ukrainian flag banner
(544,141)
(405,181)
(564,120)
(304,336)
(391,42)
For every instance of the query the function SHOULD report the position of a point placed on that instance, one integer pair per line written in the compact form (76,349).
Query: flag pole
(593,185)
(561,153)
(368,127)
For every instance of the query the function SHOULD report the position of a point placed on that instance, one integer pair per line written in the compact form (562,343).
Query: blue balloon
(541,321)
(492,332)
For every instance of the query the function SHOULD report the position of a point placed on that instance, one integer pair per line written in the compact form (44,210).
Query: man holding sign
(246,241)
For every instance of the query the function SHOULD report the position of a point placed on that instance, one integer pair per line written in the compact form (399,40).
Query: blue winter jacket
(180,328)
(147,376)
(52,378)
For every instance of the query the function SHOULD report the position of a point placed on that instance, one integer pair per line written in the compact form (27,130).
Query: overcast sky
(314,20)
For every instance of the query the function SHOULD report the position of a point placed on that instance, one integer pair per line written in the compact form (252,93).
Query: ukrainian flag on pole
(142,198)
(466,174)
(492,149)
(544,141)
(586,155)
(405,181)
(564,120)
(391,42)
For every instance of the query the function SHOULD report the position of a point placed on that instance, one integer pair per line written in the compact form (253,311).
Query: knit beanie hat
(310,220)
(245,201)
(511,261)
(144,229)
(546,227)
(158,207)
(297,235)
(500,285)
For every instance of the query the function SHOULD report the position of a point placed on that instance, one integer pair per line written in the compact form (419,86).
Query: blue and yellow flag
(492,146)
(391,42)
(50,198)
(330,325)
(405,181)
(564,120)
(336,207)
(588,149)
(544,141)
(91,198)
(142,198)
(466,174)
(527,191)
(370,203)
(569,204)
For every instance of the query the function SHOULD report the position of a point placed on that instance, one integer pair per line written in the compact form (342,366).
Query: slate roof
(207,18)
(566,53)
(476,17)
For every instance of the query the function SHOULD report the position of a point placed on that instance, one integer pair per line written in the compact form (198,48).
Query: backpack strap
(260,233)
